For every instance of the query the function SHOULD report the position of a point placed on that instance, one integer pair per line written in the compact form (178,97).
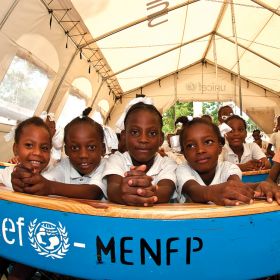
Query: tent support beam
(249,50)
(163,77)
(274,11)
(217,24)
(158,55)
(2,23)
(198,62)
(237,57)
(97,93)
(62,79)
(103,36)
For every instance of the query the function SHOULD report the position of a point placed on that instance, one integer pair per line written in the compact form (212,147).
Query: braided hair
(84,119)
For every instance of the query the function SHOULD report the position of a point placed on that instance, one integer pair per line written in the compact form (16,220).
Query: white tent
(210,50)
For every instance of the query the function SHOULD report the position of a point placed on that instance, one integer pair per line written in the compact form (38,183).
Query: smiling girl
(141,176)
(205,179)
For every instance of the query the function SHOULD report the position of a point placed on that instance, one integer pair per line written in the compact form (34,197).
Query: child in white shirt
(203,178)
(248,156)
(141,176)
(84,165)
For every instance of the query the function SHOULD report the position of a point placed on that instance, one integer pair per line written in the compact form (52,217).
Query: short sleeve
(167,170)
(114,165)
(257,152)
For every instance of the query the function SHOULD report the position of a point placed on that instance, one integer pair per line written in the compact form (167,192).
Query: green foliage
(211,108)
(177,110)
(251,126)
(186,109)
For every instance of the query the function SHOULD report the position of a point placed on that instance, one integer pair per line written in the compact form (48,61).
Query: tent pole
(249,50)
(237,56)
(8,13)
(62,79)
(274,11)
(97,93)
(176,97)
(158,55)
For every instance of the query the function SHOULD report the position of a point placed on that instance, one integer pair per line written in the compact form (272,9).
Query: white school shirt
(162,168)
(184,172)
(6,176)
(251,151)
(64,172)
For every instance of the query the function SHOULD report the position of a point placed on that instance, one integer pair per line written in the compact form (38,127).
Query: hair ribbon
(120,121)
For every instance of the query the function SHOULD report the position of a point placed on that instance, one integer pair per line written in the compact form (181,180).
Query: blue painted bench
(255,176)
(97,240)
(5,164)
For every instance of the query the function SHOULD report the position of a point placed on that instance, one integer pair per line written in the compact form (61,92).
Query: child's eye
(209,141)
(91,147)
(134,132)
(28,145)
(153,133)
(190,146)
(45,148)
(74,148)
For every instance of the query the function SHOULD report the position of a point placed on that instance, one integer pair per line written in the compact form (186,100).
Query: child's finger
(269,196)
(139,182)
(17,185)
(142,167)
(277,197)
(230,202)
(33,190)
(241,198)
(135,173)
(148,192)
(19,172)
(139,201)
(31,180)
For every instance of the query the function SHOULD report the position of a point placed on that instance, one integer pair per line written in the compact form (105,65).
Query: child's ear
(123,136)
(15,149)
(161,138)
(103,149)
(66,150)
(220,148)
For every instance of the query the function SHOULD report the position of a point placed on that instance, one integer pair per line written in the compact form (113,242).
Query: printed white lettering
(10,228)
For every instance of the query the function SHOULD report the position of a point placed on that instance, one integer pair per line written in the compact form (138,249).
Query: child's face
(256,135)
(224,113)
(84,148)
(33,148)
(201,148)
(143,135)
(236,137)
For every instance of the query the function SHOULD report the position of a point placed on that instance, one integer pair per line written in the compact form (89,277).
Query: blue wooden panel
(94,247)
(254,178)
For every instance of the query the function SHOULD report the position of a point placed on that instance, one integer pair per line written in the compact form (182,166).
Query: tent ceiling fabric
(144,40)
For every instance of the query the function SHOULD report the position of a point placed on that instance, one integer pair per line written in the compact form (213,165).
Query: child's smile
(201,149)
(236,137)
(143,136)
(84,148)
(33,148)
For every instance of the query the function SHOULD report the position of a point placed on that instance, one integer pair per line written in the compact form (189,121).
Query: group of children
(139,176)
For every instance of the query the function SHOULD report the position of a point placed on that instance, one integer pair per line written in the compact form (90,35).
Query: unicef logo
(48,239)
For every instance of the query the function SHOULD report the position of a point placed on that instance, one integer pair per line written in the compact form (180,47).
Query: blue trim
(242,247)
(254,178)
